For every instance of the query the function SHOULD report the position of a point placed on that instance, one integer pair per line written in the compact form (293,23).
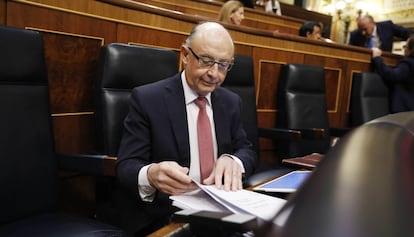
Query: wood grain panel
(210,11)
(3,11)
(71,61)
(74,133)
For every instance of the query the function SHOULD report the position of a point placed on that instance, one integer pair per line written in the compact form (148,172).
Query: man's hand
(228,170)
(170,178)
(376,52)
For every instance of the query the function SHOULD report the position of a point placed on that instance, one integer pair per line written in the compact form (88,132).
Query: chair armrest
(100,165)
(280,134)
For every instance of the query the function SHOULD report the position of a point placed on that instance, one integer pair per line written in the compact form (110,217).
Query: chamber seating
(369,98)
(301,103)
(29,165)
(121,67)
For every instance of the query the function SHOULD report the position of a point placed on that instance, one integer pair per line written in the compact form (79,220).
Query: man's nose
(213,70)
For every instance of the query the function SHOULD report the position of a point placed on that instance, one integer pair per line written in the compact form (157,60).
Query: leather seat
(122,67)
(369,98)
(301,104)
(28,161)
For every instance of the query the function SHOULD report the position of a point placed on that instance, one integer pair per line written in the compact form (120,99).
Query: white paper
(197,200)
(246,202)
(209,198)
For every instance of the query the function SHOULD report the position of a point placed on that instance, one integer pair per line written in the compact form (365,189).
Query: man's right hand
(376,52)
(170,178)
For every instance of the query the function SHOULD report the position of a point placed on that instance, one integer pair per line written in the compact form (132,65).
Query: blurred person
(232,12)
(400,78)
(271,6)
(311,30)
(371,34)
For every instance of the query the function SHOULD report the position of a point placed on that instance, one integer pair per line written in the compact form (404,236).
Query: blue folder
(287,183)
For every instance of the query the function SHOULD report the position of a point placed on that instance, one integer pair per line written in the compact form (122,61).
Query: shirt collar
(374,32)
(189,94)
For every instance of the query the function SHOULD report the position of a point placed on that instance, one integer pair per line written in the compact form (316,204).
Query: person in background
(248,3)
(371,34)
(232,12)
(311,30)
(400,78)
(161,151)
(271,6)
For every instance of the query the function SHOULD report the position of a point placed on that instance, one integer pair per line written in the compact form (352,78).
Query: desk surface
(174,228)
(169,229)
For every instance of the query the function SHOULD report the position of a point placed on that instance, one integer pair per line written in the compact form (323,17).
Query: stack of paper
(209,198)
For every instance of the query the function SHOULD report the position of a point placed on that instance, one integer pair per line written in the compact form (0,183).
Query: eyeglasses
(207,62)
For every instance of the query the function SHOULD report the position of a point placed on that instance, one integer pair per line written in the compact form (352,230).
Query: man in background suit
(371,34)
(159,154)
(400,78)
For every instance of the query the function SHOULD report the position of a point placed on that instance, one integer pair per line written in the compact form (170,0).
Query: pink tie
(205,139)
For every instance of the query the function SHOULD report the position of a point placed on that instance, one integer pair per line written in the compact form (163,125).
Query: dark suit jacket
(156,130)
(386,31)
(401,79)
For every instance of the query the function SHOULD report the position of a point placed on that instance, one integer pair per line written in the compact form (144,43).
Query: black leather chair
(301,104)
(28,161)
(363,188)
(240,79)
(121,67)
(369,98)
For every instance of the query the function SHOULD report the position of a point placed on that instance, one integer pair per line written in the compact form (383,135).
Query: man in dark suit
(159,152)
(400,77)
(371,34)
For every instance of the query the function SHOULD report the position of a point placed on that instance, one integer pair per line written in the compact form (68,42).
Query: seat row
(121,67)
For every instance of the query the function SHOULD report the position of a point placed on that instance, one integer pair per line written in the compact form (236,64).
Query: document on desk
(242,201)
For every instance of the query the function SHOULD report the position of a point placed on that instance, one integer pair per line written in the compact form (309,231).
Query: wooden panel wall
(75,30)
(256,18)
(2,12)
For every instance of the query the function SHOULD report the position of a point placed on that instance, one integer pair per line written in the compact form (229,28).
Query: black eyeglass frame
(222,66)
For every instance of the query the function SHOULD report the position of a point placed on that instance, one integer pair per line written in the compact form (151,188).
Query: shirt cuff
(145,190)
(235,158)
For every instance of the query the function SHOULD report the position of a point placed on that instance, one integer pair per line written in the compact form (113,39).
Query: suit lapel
(175,104)
(221,123)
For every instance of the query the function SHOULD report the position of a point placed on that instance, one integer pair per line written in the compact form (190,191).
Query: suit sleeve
(397,74)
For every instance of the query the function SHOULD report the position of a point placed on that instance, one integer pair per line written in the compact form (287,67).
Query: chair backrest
(301,104)
(363,187)
(28,168)
(122,67)
(240,79)
(369,98)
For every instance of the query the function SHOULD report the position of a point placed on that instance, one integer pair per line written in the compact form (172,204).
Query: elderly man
(371,34)
(162,149)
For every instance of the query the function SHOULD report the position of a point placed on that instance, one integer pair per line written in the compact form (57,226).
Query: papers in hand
(209,198)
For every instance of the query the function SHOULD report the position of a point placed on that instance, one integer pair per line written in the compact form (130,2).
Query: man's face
(366,27)
(201,77)
(316,34)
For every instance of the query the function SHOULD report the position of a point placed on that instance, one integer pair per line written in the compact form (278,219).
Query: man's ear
(184,54)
